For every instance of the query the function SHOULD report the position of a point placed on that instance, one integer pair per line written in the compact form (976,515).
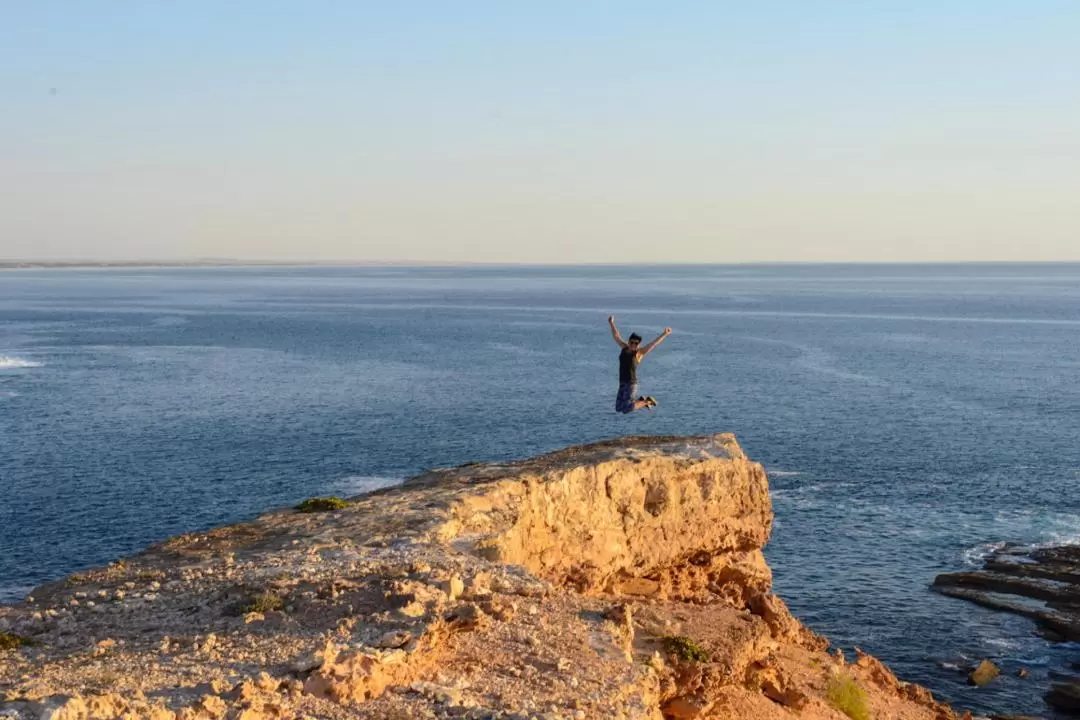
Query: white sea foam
(975,556)
(362,484)
(8,362)
(783,473)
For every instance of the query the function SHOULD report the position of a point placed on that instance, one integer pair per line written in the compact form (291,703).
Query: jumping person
(632,354)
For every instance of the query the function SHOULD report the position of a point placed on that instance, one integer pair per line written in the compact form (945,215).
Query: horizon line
(15,264)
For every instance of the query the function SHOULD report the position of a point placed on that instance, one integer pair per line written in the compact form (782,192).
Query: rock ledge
(623,579)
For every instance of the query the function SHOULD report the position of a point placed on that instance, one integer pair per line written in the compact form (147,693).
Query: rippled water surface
(911,416)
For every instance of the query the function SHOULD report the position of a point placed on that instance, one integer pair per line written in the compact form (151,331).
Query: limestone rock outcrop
(623,579)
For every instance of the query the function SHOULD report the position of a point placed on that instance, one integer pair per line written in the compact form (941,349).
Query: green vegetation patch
(13,642)
(844,694)
(262,603)
(324,504)
(685,649)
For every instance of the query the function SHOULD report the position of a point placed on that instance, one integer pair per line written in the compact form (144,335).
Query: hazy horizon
(562,133)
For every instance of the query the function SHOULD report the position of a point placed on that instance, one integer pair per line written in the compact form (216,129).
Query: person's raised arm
(615,332)
(651,346)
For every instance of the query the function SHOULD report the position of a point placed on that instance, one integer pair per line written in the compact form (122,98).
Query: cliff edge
(623,579)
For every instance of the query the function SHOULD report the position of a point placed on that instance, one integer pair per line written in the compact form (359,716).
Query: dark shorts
(624,401)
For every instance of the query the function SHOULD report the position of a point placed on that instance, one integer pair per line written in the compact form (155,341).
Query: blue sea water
(910,416)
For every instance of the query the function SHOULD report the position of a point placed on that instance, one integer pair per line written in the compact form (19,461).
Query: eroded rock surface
(549,588)
(1039,583)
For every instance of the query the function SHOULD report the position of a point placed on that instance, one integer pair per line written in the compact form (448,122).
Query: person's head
(634,341)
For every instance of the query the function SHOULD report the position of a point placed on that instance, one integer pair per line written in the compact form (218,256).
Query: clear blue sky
(542,131)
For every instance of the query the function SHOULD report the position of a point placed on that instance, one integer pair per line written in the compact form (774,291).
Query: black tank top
(628,362)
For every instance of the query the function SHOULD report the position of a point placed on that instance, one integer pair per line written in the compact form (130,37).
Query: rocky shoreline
(622,579)
(1039,583)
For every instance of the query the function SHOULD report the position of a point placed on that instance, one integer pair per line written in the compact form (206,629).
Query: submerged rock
(984,673)
(1065,696)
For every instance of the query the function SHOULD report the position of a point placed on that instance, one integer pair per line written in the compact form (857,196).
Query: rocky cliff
(623,579)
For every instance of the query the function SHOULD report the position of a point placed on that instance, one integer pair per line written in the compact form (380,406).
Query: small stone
(499,608)
(414,609)
(393,639)
(266,683)
(686,708)
(1023,673)
(983,674)
(103,647)
(307,663)
(453,587)
(213,706)
(467,617)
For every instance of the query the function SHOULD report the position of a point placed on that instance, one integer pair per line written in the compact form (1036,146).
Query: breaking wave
(9,363)
(363,484)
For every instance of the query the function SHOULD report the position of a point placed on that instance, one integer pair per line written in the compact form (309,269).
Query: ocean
(911,416)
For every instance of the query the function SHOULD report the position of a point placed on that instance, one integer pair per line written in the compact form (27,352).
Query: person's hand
(611,319)
(667,331)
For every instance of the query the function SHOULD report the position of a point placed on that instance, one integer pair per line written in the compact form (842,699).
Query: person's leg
(624,401)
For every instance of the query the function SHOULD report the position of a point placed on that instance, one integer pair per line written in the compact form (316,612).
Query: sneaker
(650,400)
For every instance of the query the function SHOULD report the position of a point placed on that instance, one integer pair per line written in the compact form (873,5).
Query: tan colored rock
(983,674)
(350,677)
(499,608)
(103,647)
(686,708)
(107,706)
(529,556)
(213,706)
(66,709)
(158,712)
(876,671)
(623,512)
(466,617)
(394,639)
(267,684)
(453,587)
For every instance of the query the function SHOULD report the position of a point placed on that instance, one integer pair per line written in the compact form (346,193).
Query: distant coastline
(61,264)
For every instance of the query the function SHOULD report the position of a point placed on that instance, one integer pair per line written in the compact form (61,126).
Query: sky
(548,132)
